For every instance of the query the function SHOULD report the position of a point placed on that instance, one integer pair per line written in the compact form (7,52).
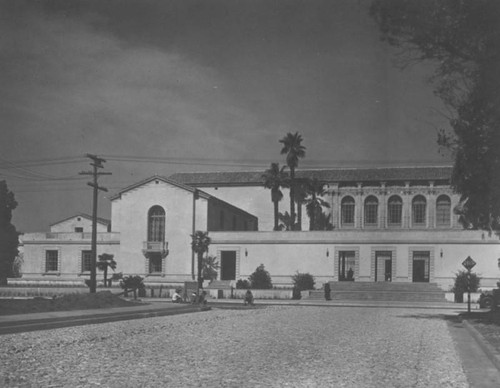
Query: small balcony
(155,246)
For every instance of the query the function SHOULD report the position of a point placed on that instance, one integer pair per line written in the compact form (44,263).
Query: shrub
(261,279)
(303,281)
(462,284)
(242,284)
(133,283)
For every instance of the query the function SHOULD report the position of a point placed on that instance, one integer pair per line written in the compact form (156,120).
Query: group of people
(201,298)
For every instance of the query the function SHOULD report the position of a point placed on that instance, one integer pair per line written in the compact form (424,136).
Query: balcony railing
(155,246)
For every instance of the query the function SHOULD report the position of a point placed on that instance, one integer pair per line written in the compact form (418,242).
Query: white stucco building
(390,225)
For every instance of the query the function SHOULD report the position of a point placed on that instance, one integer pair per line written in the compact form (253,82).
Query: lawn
(487,323)
(104,299)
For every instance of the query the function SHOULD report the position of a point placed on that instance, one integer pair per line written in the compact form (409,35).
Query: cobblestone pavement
(276,346)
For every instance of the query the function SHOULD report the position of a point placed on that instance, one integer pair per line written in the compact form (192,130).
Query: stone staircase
(382,291)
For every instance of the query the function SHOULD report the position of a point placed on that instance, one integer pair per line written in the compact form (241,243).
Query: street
(276,346)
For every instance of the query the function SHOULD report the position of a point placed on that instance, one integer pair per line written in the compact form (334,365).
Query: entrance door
(421,267)
(228,265)
(383,266)
(347,263)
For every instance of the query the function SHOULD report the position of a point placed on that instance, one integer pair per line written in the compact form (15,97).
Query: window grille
(51,261)
(443,211)
(86,261)
(156,224)
(371,211)
(395,211)
(348,208)
(419,206)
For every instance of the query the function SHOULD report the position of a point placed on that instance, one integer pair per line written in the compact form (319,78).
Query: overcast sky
(158,87)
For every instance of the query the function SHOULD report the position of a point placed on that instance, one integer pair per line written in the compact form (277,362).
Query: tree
(285,221)
(261,279)
(106,261)
(210,267)
(9,237)
(314,203)
(300,194)
(274,179)
(132,283)
(462,39)
(303,281)
(294,150)
(200,243)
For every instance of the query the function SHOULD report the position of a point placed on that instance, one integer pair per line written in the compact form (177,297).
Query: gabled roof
(100,220)
(200,193)
(163,179)
(382,174)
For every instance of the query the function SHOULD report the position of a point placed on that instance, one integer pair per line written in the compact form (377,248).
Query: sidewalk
(54,319)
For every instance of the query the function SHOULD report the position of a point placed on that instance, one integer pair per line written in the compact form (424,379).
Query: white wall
(69,225)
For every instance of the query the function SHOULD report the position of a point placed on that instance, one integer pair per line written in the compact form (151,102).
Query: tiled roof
(382,174)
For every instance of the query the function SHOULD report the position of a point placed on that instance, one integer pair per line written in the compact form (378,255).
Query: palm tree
(286,221)
(274,179)
(106,261)
(293,150)
(200,243)
(210,267)
(301,192)
(314,202)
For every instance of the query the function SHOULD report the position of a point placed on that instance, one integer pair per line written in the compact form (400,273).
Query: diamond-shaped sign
(468,263)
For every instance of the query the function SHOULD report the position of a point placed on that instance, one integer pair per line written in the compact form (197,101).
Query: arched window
(443,211)
(419,210)
(347,209)
(156,224)
(371,211)
(394,211)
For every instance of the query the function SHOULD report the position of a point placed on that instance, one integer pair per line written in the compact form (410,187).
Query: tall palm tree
(106,261)
(200,243)
(294,150)
(274,179)
(314,202)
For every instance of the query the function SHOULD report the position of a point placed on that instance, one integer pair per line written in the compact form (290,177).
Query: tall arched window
(347,209)
(371,211)
(419,210)
(394,211)
(443,211)
(156,224)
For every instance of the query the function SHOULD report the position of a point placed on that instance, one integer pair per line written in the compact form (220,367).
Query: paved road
(277,346)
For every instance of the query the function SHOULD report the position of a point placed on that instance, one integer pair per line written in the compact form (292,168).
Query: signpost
(468,263)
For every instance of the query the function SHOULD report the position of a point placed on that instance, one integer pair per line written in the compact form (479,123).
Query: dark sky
(158,87)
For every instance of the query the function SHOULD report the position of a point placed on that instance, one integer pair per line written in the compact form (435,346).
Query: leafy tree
(210,267)
(314,203)
(9,237)
(275,178)
(462,284)
(261,279)
(106,261)
(200,243)
(243,284)
(294,150)
(462,39)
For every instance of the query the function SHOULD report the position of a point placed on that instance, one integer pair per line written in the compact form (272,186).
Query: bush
(462,284)
(243,284)
(261,279)
(133,283)
(303,281)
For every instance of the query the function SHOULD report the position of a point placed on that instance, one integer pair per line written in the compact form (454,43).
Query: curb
(490,351)
(54,323)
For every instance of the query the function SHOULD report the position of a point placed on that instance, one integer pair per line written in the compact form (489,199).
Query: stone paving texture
(276,346)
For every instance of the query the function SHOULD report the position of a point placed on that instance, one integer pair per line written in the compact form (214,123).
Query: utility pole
(96,163)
